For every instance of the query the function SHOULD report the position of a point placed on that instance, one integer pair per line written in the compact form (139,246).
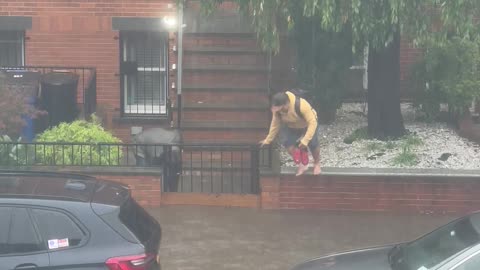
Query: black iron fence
(84,90)
(185,167)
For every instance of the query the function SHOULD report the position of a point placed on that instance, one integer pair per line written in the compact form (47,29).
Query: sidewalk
(203,238)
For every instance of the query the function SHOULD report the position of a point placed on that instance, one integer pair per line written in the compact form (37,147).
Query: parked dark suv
(63,221)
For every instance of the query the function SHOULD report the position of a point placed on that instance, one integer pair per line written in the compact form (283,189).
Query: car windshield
(436,247)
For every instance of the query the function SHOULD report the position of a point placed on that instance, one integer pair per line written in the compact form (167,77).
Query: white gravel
(437,138)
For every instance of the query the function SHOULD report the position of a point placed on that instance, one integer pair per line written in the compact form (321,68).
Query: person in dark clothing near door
(296,122)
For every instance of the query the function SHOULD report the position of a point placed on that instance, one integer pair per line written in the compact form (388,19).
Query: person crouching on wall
(295,121)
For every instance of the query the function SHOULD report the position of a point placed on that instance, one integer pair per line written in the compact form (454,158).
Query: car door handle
(26,266)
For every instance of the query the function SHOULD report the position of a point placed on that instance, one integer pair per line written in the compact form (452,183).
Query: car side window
(5,214)
(58,229)
(17,234)
(472,263)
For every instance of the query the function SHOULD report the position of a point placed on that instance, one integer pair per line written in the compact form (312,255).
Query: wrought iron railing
(186,167)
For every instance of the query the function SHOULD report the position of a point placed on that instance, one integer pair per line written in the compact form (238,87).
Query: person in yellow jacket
(295,130)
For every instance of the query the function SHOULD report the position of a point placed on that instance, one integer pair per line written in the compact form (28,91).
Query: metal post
(255,169)
(180,64)
(166,169)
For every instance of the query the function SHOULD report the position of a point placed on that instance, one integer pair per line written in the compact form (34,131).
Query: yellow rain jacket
(292,120)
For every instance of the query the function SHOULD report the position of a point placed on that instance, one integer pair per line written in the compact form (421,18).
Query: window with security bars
(144,72)
(11,48)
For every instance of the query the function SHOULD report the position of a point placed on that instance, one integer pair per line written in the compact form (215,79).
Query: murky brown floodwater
(206,238)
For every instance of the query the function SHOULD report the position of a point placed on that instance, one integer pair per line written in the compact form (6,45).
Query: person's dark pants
(291,137)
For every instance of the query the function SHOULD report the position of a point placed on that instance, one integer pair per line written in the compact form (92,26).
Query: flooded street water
(205,238)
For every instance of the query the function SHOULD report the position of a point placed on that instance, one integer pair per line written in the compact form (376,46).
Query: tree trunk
(384,115)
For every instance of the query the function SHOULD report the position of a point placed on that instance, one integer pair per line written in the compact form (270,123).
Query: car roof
(56,186)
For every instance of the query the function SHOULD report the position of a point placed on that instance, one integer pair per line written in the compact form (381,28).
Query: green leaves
(448,74)
(459,17)
(372,21)
(95,145)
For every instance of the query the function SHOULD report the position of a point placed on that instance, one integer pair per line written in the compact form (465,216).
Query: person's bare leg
(301,168)
(316,161)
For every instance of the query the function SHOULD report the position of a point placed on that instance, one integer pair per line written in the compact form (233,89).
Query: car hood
(363,259)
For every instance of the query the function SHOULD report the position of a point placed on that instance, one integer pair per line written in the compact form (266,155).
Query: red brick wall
(223,200)
(380,193)
(395,194)
(270,192)
(147,191)
(79,33)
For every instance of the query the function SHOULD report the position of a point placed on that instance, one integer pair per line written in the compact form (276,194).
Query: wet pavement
(212,238)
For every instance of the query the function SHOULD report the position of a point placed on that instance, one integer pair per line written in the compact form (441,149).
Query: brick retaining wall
(422,193)
(412,194)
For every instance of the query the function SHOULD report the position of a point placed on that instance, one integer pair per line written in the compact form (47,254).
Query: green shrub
(447,74)
(94,149)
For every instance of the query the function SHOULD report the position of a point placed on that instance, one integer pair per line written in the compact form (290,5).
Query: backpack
(299,94)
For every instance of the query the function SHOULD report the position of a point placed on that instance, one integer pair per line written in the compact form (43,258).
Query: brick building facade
(82,33)
(225,75)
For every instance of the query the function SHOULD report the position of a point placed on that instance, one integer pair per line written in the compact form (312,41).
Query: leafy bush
(94,148)
(15,108)
(447,74)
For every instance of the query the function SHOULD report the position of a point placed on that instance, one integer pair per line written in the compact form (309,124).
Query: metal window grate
(144,66)
(11,48)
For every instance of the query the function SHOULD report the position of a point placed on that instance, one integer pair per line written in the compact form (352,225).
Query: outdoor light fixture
(170,22)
